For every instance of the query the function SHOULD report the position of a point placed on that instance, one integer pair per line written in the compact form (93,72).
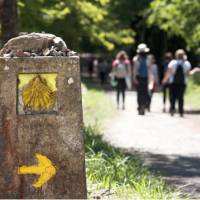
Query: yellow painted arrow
(44,168)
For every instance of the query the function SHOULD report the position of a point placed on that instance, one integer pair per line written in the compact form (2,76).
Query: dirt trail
(169,145)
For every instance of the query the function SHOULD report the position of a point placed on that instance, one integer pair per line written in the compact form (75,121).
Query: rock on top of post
(35,44)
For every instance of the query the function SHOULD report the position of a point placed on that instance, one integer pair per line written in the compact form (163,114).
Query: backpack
(179,76)
(143,69)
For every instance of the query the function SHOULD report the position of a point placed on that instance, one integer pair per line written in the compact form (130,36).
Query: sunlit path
(168,144)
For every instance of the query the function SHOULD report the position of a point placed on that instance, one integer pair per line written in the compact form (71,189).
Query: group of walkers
(143,71)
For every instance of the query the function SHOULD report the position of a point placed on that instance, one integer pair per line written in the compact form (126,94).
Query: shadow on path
(169,146)
(181,171)
(192,112)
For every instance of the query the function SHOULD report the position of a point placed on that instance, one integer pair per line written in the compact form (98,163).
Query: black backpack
(179,76)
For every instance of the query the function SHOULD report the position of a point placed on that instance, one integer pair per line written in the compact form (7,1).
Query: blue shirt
(143,71)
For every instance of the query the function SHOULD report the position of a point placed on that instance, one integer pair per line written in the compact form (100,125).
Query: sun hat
(142,48)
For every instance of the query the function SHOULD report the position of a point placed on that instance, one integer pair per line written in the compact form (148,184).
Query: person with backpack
(177,73)
(142,76)
(121,70)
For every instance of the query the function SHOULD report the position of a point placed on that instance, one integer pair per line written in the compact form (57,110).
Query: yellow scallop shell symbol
(37,95)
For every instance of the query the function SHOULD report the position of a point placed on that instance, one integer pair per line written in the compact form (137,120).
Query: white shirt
(155,73)
(173,66)
(121,70)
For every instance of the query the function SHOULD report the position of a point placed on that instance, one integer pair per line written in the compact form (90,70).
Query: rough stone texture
(33,41)
(57,136)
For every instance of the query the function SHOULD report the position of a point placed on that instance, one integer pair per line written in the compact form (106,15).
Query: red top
(117,61)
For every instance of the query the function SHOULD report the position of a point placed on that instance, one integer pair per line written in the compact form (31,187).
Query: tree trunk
(8,17)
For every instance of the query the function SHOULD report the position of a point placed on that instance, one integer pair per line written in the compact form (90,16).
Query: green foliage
(178,17)
(79,22)
(97,107)
(196,78)
(108,168)
(193,92)
(37,15)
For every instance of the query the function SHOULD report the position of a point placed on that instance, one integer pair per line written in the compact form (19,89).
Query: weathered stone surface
(57,136)
(33,41)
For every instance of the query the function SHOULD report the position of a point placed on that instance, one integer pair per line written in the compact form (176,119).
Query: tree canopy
(81,23)
(178,17)
(108,25)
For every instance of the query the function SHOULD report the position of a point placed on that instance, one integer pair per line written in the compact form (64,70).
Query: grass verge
(193,94)
(96,107)
(107,167)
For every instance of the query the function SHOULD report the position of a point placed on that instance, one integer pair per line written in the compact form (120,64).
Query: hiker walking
(121,70)
(177,73)
(154,81)
(165,89)
(142,74)
(103,69)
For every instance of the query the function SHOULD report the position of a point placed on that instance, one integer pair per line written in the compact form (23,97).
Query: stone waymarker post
(41,141)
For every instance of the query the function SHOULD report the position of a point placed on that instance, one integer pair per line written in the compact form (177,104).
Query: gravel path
(169,145)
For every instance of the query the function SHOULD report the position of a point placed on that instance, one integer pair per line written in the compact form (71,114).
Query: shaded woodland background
(106,26)
(103,27)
